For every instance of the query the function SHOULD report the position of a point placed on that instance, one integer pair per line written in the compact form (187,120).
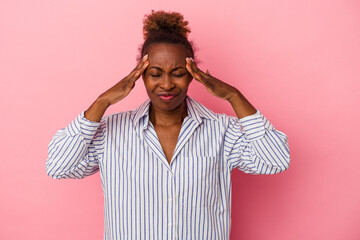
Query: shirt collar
(141,114)
(196,111)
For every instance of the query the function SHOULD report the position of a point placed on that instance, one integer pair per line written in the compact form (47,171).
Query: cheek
(186,82)
(147,84)
(189,79)
(184,88)
(147,80)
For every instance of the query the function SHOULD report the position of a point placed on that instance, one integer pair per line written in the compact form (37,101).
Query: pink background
(297,61)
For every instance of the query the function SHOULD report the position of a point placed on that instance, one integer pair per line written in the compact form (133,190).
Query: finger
(194,67)
(140,68)
(192,64)
(195,75)
(188,67)
(141,63)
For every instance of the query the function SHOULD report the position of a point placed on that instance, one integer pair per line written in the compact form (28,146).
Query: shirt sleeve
(253,145)
(74,151)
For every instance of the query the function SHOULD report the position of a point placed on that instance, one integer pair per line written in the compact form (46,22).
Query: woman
(165,166)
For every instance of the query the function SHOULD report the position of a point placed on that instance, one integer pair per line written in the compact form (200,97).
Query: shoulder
(200,111)
(128,117)
(115,117)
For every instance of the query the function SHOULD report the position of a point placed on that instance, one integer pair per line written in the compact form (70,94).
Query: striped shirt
(145,197)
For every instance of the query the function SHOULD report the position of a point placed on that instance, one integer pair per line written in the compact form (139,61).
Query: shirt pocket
(199,179)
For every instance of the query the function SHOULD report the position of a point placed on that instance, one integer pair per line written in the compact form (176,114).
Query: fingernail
(145,57)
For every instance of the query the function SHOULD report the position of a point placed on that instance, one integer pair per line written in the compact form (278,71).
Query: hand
(124,86)
(116,93)
(213,85)
(240,104)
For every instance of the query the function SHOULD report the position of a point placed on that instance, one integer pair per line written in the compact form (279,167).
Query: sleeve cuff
(254,126)
(84,127)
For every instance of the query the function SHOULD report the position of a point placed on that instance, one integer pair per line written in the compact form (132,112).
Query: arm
(254,146)
(74,152)
(220,89)
(119,91)
(251,142)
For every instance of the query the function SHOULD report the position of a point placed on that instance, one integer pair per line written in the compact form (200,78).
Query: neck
(168,118)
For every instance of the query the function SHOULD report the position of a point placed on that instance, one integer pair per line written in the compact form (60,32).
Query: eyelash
(180,75)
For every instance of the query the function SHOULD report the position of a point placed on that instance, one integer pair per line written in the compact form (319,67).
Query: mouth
(166,96)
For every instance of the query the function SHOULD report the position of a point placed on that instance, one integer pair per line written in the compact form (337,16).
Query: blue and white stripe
(148,198)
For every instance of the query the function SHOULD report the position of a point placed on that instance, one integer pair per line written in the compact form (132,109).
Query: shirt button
(170,224)
(170,199)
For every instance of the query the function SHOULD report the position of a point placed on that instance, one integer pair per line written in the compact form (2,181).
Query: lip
(166,96)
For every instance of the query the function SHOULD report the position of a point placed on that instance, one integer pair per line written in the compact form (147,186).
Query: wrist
(234,96)
(241,105)
(102,102)
(95,112)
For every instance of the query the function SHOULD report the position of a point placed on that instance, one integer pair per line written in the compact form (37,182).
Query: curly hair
(165,27)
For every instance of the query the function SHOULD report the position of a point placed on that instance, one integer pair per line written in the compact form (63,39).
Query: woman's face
(166,78)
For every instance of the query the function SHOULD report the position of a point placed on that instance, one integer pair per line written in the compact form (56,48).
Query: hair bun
(165,21)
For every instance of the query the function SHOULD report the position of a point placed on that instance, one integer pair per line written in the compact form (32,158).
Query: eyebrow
(158,68)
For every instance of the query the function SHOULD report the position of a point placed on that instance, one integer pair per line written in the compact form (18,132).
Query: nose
(167,82)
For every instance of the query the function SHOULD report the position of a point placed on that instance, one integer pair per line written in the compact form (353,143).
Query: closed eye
(180,75)
(158,75)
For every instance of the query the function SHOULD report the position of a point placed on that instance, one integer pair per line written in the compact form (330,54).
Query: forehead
(167,55)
